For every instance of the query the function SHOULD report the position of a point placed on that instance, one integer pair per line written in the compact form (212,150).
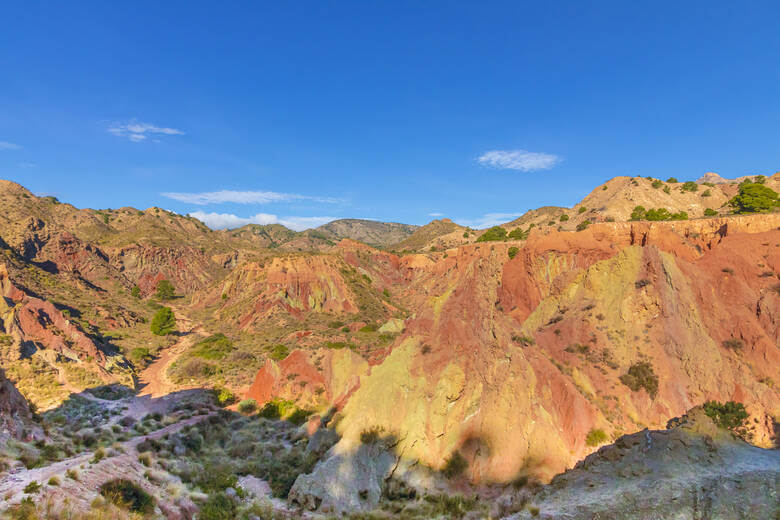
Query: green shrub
(641,375)
(465,234)
(657,214)
(709,212)
(519,234)
(583,225)
(754,198)
(55,481)
(165,290)
(595,437)
(135,292)
(368,328)
(298,417)
(218,506)
(493,234)
(127,494)
(224,396)
(706,193)
(512,251)
(140,355)
(371,435)
(689,186)
(582,209)
(279,352)
(734,344)
(455,465)
(164,322)
(730,415)
(215,347)
(32,488)
(682,215)
(386,293)
(667,190)
(672,180)
(247,406)
(563,218)
(638,213)
(657,184)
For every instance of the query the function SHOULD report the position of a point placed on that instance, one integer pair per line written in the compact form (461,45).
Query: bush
(196,368)
(298,417)
(582,209)
(583,225)
(682,215)
(734,344)
(493,234)
(641,375)
(140,355)
(55,481)
(689,186)
(224,396)
(32,488)
(730,415)
(512,252)
(657,184)
(638,213)
(667,190)
(128,495)
(672,180)
(164,322)
(519,234)
(455,465)
(135,292)
(247,406)
(371,435)
(279,352)
(595,437)
(709,212)
(368,328)
(563,218)
(215,347)
(165,290)
(754,198)
(706,193)
(218,506)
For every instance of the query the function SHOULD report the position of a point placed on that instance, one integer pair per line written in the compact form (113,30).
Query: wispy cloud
(5,145)
(243,197)
(230,221)
(435,214)
(137,131)
(518,160)
(487,220)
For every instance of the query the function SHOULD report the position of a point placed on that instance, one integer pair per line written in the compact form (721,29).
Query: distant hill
(439,234)
(371,232)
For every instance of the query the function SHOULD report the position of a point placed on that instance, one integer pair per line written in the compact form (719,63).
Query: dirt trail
(154,379)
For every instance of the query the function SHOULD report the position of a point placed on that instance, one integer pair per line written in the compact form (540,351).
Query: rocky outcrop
(692,471)
(14,410)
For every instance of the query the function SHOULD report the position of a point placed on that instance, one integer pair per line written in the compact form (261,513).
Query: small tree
(672,180)
(730,415)
(164,322)
(512,252)
(165,290)
(709,212)
(690,186)
(754,198)
(493,234)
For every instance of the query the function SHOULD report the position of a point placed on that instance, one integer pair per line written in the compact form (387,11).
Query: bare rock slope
(691,471)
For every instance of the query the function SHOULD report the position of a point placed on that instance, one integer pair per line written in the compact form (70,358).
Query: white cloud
(242,197)
(518,160)
(230,221)
(137,131)
(435,214)
(5,145)
(488,220)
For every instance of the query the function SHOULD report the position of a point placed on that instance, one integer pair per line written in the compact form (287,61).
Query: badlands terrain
(617,359)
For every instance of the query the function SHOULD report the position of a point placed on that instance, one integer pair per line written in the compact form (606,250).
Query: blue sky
(299,112)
